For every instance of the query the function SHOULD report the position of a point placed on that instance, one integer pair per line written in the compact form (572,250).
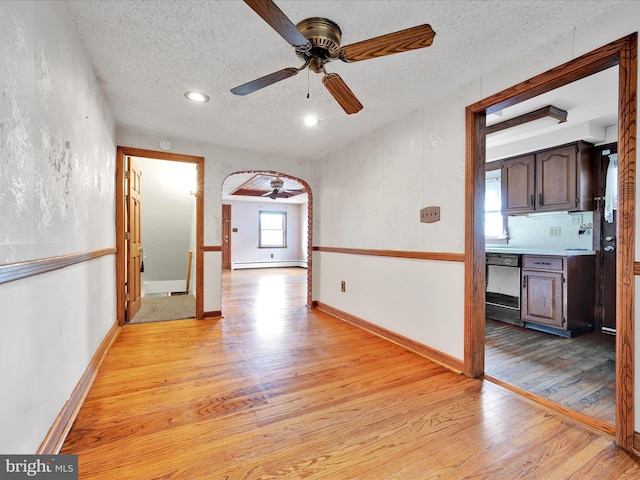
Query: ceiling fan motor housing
(324,36)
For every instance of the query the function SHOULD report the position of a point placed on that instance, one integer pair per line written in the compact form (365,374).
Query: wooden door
(226,236)
(556,179)
(542,299)
(517,185)
(134,240)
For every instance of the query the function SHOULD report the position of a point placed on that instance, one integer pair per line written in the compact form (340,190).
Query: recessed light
(311,120)
(198,97)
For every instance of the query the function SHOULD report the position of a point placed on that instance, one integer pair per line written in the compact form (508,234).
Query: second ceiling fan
(317,42)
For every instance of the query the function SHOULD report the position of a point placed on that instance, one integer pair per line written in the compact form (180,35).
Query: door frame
(622,52)
(121,153)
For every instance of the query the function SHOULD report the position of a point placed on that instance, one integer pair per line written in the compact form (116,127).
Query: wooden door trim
(120,223)
(226,246)
(622,52)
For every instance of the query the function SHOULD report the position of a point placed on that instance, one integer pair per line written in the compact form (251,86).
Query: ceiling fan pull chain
(308,83)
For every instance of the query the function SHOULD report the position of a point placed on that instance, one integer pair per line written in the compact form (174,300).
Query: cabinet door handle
(524,282)
(540,199)
(531,200)
(542,263)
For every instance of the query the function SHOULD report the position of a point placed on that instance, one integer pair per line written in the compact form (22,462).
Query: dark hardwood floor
(578,373)
(276,390)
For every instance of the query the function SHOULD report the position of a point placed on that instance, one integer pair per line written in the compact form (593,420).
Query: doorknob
(609,248)
(609,239)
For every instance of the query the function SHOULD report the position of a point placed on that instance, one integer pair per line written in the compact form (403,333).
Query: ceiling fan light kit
(317,42)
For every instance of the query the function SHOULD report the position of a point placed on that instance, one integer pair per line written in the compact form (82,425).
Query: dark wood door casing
(623,53)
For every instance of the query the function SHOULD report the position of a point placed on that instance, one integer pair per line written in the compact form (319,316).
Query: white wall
(168,216)
(244,242)
(416,161)
(57,157)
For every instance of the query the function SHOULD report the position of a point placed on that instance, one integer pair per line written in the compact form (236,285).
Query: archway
(255,192)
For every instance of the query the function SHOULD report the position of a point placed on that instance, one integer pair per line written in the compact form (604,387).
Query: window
(495,224)
(273,229)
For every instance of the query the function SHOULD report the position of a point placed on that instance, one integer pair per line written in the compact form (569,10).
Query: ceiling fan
(317,42)
(277,189)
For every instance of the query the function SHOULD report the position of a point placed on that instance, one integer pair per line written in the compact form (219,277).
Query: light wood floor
(275,390)
(578,373)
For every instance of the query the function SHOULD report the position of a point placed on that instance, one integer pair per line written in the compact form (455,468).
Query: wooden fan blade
(265,81)
(402,41)
(342,93)
(271,14)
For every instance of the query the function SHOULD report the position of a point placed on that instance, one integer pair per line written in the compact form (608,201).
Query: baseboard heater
(278,264)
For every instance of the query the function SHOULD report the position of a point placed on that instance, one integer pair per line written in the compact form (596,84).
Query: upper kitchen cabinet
(555,179)
(518,187)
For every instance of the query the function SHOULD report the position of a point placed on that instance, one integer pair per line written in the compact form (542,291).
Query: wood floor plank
(577,373)
(276,390)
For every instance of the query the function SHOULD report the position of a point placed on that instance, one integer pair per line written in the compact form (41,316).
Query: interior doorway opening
(123,235)
(624,54)
(544,328)
(266,230)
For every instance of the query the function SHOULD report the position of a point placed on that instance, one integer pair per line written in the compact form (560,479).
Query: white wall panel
(57,197)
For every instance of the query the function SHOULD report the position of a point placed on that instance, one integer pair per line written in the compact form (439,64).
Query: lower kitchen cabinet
(558,293)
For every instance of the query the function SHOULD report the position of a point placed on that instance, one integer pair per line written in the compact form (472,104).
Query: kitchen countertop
(539,251)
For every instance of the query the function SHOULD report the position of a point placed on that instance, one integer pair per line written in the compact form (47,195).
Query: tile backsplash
(552,230)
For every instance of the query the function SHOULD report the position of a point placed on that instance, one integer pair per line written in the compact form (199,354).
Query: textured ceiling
(146,54)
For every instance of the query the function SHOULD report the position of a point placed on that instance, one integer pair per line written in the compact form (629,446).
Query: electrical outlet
(576,219)
(430,214)
(554,231)
(343,286)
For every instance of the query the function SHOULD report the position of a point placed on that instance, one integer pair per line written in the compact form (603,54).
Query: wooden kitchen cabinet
(517,184)
(555,179)
(558,293)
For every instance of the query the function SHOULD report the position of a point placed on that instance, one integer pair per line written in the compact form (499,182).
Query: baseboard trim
(274,264)
(16,271)
(213,314)
(436,356)
(58,432)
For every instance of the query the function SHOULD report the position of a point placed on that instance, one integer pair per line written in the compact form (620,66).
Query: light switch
(430,214)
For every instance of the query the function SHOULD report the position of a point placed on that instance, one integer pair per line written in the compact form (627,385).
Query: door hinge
(126,297)
(126,175)
(126,236)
